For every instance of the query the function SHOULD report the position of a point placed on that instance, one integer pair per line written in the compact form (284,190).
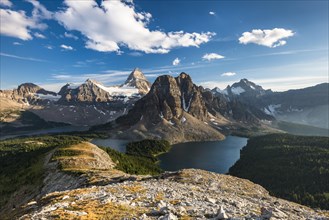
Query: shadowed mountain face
(173,109)
(168,98)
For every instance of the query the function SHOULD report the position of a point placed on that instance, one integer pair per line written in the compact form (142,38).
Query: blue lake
(215,156)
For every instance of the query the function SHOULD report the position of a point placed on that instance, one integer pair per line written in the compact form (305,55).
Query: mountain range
(172,107)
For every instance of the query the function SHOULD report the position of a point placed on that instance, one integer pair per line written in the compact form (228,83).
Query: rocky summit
(138,80)
(186,194)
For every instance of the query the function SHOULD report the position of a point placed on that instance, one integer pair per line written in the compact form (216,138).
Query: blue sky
(278,44)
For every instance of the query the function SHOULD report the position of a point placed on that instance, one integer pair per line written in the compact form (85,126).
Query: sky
(279,45)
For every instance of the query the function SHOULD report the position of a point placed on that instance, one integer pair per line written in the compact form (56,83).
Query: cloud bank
(110,25)
(17,24)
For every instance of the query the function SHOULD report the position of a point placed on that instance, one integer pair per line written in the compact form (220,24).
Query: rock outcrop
(186,194)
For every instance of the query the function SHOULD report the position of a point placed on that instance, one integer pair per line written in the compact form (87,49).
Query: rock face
(173,110)
(137,80)
(186,194)
(168,99)
(86,92)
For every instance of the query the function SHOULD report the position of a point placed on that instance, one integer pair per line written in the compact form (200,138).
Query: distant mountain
(173,109)
(308,106)
(137,80)
(243,88)
(29,93)
(26,89)
(92,91)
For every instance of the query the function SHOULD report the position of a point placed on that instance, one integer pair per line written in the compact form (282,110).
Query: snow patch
(237,90)
(183,119)
(100,111)
(48,97)
(186,108)
(271,109)
(72,86)
(118,91)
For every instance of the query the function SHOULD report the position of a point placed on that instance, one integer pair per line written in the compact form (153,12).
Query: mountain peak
(91,81)
(138,80)
(31,88)
(184,75)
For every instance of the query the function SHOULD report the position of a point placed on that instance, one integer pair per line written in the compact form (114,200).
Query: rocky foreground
(186,194)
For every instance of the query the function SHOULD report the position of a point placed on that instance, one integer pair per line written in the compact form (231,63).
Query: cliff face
(168,98)
(173,109)
(186,194)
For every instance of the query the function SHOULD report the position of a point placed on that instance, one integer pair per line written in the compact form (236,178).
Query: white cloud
(269,38)
(111,76)
(38,35)
(212,56)
(229,74)
(22,58)
(68,35)
(212,13)
(66,47)
(135,54)
(17,43)
(114,24)
(49,47)
(6,3)
(17,24)
(39,11)
(175,62)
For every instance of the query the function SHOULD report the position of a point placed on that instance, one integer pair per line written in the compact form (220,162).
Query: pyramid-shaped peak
(137,79)
(91,81)
(136,74)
